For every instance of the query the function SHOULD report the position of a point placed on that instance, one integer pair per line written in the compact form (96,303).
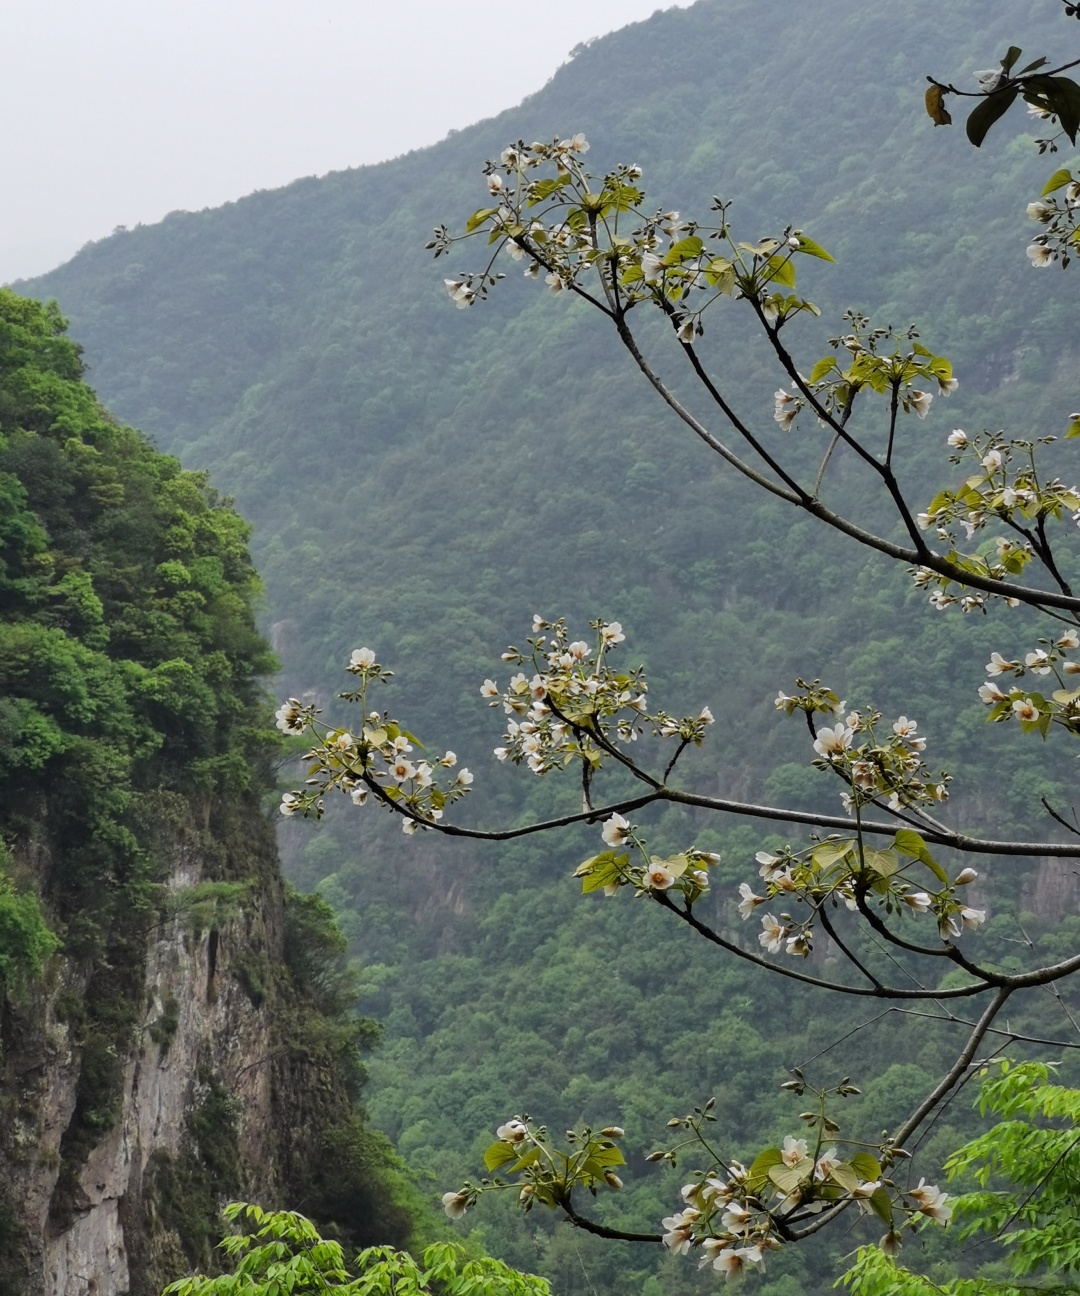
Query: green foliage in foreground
(1034,1154)
(285,1256)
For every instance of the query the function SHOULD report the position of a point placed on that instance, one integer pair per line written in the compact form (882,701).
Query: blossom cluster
(735,1214)
(615,868)
(1031,707)
(879,764)
(546,1174)
(879,360)
(381,762)
(582,232)
(1003,486)
(572,704)
(847,870)
(1056,211)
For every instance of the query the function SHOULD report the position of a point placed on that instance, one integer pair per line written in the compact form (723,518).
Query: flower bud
(965,876)
(613,1131)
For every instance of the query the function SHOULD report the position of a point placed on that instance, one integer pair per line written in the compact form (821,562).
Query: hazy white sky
(119,111)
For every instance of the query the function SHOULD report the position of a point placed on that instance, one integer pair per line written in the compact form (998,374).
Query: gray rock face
(198,1030)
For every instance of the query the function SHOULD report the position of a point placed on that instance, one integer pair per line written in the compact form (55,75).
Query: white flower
(460,293)
(657,877)
(1026,710)
(494,183)
(772,937)
(832,743)
(359,795)
(905,728)
(513,1131)
(918,901)
(989,79)
(957,438)
(578,143)
(794,1150)
(489,689)
(449,760)
(990,693)
(946,386)
(554,283)
(290,717)
(290,803)
(770,865)
(798,946)
(612,633)
(680,1230)
(919,403)
(455,1204)
(1038,662)
(890,1244)
(1069,640)
(616,830)
(464,777)
(997,665)
(401,770)
(1039,254)
(362,659)
(929,1201)
(826,1162)
(749,901)
(685,331)
(1040,211)
(785,407)
(501,754)
(972,918)
(736,1218)
(408,827)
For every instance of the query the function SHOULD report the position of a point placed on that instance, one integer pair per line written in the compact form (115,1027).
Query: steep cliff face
(104,1222)
(175,1024)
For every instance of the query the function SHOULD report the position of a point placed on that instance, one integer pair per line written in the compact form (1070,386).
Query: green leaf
(825,365)
(685,250)
(983,117)
(478,217)
(527,1159)
(866,1166)
(908,842)
(780,271)
(498,1154)
(881,1205)
(883,862)
(811,248)
(763,1163)
(830,853)
(1058,180)
(788,1178)
(845,1176)
(1012,57)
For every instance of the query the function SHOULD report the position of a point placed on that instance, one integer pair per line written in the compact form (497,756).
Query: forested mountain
(423,480)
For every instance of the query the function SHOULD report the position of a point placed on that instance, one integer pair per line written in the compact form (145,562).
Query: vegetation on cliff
(133,727)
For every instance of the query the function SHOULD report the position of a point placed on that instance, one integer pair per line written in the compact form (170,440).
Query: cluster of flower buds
(883,361)
(572,704)
(1004,486)
(733,1214)
(848,870)
(545,1175)
(584,232)
(381,762)
(1034,710)
(1056,211)
(879,764)
(626,862)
